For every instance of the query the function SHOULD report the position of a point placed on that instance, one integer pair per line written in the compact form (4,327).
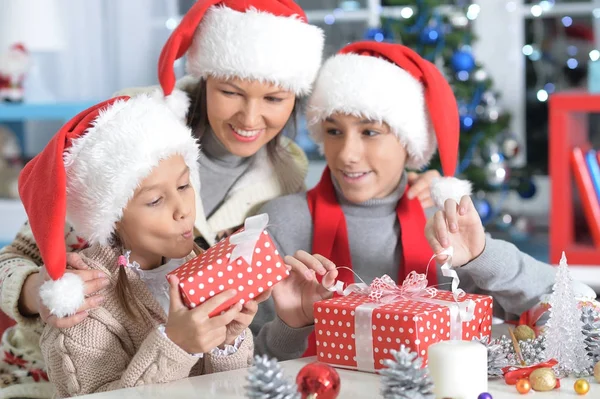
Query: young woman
(376,109)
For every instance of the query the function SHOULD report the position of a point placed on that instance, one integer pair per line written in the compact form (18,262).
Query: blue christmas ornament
(484,395)
(526,188)
(463,61)
(466,122)
(376,34)
(430,35)
(484,209)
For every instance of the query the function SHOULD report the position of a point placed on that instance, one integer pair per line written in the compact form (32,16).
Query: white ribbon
(460,312)
(245,241)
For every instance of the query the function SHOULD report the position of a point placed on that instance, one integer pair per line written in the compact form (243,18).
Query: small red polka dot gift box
(247,261)
(358,329)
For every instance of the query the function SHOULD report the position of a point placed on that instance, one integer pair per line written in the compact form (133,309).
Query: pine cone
(267,381)
(533,350)
(404,378)
(497,356)
(591,330)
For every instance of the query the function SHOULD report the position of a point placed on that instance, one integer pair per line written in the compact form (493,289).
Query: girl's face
(159,220)
(246,114)
(365,157)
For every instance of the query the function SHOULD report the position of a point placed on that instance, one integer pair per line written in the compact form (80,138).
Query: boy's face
(159,220)
(365,156)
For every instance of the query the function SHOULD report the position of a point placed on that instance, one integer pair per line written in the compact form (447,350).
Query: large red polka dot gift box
(358,329)
(247,261)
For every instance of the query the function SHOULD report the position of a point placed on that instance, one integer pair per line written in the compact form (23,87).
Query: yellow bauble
(597,372)
(581,386)
(523,333)
(542,379)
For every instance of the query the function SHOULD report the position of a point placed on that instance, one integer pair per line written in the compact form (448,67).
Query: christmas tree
(565,340)
(441,32)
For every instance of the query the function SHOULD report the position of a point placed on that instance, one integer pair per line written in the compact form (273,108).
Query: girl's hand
(294,297)
(245,317)
(191,329)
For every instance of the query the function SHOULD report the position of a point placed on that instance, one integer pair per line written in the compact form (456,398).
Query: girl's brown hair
(123,288)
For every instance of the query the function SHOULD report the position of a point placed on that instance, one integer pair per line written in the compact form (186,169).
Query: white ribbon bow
(384,290)
(245,241)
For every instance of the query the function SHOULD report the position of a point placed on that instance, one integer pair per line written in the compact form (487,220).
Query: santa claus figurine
(14,64)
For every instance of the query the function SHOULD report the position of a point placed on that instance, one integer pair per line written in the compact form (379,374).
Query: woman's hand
(420,186)
(30,303)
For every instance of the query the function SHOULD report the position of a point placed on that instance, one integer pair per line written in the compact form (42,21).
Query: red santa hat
(90,170)
(264,40)
(391,83)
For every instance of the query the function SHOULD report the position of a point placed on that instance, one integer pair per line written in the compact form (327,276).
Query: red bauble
(319,381)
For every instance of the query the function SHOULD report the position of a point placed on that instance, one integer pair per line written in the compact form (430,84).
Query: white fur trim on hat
(449,188)
(256,45)
(63,296)
(373,88)
(106,165)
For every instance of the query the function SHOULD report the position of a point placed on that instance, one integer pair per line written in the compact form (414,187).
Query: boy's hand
(459,226)
(295,296)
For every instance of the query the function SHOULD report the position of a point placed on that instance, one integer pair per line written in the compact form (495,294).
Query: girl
(130,191)
(376,109)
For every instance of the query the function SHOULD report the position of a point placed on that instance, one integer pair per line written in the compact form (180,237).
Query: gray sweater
(219,170)
(514,279)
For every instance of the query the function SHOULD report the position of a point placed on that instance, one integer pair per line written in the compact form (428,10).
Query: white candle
(458,369)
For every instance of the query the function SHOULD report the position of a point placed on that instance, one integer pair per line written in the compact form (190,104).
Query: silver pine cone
(497,356)
(404,378)
(266,381)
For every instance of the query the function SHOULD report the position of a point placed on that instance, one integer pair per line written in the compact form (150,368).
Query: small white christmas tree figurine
(565,340)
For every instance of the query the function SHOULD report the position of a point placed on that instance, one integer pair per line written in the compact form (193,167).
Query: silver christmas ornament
(458,19)
(480,75)
(493,113)
(496,173)
(510,146)
(489,98)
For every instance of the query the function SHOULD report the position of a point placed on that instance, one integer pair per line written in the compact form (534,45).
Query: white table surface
(354,384)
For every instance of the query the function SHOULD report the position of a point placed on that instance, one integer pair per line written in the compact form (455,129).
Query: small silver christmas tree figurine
(565,340)
(268,382)
(404,378)
(497,356)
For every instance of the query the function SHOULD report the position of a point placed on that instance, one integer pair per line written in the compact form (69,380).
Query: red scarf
(330,236)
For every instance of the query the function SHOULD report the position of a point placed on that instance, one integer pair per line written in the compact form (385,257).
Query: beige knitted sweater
(110,350)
